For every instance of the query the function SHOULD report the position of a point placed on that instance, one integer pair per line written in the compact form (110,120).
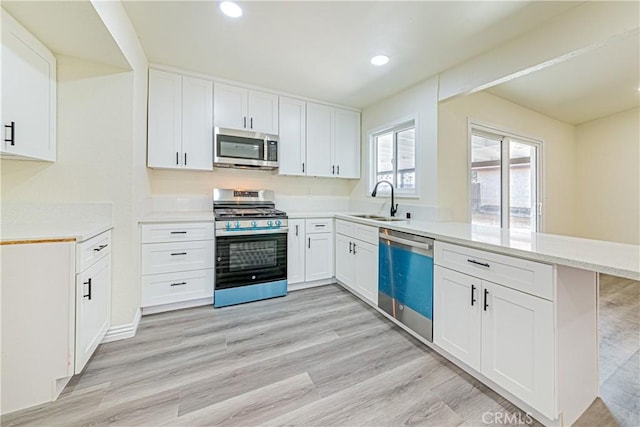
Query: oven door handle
(223,232)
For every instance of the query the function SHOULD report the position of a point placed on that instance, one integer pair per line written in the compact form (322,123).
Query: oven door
(250,259)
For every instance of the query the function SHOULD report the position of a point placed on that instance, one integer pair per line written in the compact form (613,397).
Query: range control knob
(254,223)
(278,223)
(228,224)
(269,223)
(237,224)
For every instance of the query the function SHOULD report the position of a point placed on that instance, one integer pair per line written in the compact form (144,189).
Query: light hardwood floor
(316,357)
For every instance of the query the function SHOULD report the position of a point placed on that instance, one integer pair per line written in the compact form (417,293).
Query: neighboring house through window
(393,149)
(505,179)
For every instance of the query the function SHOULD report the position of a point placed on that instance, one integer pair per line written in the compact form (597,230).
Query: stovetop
(248,212)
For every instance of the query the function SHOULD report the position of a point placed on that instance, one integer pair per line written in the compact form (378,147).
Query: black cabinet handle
(486,292)
(302,167)
(338,168)
(185,159)
(473,295)
(178,253)
(333,169)
(178,284)
(350,250)
(251,123)
(473,261)
(177,158)
(354,248)
(12,138)
(244,122)
(99,248)
(178,232)
(309,242)
(296,230)
(88,282)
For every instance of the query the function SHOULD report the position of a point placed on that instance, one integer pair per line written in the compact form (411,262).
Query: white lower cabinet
(505,334)
(357,258)
(177,265)
(310,250)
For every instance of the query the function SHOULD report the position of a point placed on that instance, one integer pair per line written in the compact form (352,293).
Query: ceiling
(321,50)
(597,83)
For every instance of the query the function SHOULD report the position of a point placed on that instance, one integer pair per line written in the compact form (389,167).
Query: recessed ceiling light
(231,9)
(379,60)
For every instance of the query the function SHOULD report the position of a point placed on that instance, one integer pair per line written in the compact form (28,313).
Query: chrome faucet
(394,206)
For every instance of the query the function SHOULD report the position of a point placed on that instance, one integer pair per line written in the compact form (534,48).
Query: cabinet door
(346,144)
(345,261)
(262,114)
(292,138)
(165,120)
(518,345)
(319,135)
(366,267)
(197,124)
(295,251)
(319,256)
(28,94)
(230,107)
(456,315)
(93,305)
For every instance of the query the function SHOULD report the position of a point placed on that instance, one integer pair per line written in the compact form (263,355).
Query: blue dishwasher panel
(407,277)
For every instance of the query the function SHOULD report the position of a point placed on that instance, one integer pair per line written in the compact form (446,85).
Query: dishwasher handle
(424,244)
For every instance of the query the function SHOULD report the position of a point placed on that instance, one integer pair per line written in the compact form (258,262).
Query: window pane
(384,149)
(406,159)
(485,181)
(522,191)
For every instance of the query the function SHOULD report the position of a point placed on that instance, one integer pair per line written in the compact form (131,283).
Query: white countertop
(179,216)
(60,231)
(617,259)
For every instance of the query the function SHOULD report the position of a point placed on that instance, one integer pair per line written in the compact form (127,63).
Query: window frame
(395,127)
(507,135)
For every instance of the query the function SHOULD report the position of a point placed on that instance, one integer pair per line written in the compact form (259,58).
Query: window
(394,158)
(505,175)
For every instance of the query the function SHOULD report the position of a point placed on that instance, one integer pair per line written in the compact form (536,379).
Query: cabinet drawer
(90,251)
(169,288)
(523,275)
(173,257)
(366,233)
(322,225)
(177,232)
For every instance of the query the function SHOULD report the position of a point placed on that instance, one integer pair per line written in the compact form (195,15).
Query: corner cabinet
(28,95)
(245,109)
(333,142)
(357,258)
(180,134)
(93,296)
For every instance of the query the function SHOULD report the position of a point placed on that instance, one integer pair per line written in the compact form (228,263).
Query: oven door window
(248,260)
(240,148)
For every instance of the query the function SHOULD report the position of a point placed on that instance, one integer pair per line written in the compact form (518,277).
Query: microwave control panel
(272,151)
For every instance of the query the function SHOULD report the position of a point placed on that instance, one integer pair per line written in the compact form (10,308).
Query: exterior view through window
(395,158)
(504,180)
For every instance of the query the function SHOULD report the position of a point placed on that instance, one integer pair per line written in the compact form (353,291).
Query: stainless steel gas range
(251,246)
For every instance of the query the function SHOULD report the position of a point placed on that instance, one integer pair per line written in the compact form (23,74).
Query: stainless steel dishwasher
(405,287)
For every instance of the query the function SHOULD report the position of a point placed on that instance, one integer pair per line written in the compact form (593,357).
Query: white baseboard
(121,332)
(177,305)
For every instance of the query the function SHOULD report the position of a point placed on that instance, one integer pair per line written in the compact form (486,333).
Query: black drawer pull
(473,295)
(350,244)
(178,232)
(486,292)
(179,284)
(11,139)
(354,248)
(99,248)
(484,264)
(88,282)
(178,253)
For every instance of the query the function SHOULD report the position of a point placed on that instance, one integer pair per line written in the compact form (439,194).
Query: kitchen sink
(378,217)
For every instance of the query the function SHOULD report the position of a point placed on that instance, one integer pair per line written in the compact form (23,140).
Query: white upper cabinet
(243,109)
(333,142)
(293,137)
(180,122)
(28,95)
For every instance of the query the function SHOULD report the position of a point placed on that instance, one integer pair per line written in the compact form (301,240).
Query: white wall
(94,144)
(421,101)
(453,154)
(608,178)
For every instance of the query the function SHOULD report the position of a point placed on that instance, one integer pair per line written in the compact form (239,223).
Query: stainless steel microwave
(243,149)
